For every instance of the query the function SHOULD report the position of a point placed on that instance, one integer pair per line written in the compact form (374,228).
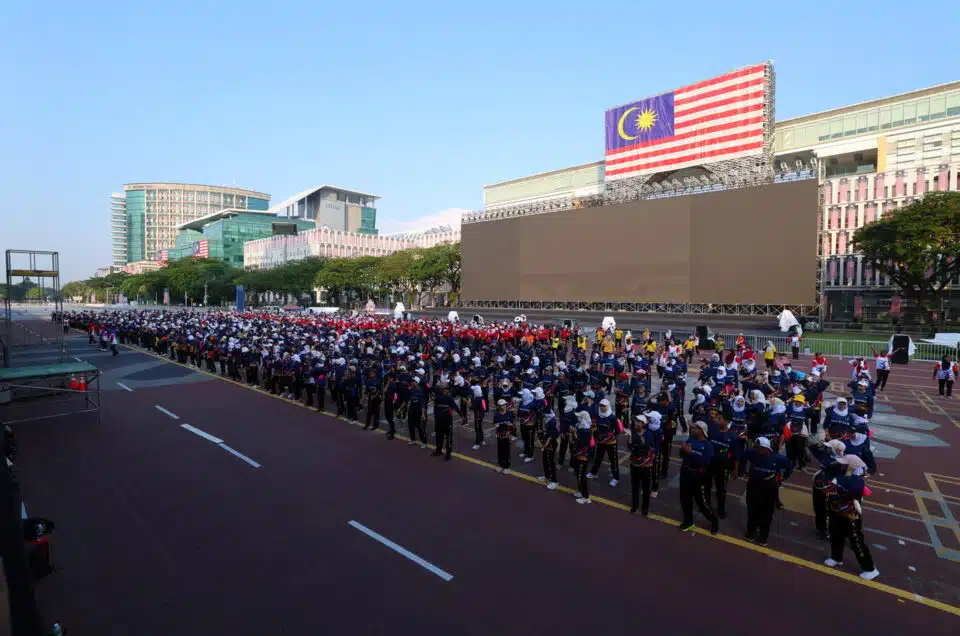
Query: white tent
(788,320)
(608,323)
(946,339)
(453,316)
(398,311)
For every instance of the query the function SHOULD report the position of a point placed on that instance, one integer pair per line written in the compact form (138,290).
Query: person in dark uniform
(444,406)
(568,429)
(607,429)
(478,405)
(549,440)
(726,448)
(697,453)
(416,408)
(374,391)
(826,454)
(582,449)
(846,516)
(765,472)
(389,399)
(503,420)
(644,446)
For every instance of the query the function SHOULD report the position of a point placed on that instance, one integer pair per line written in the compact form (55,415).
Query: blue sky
(422,104)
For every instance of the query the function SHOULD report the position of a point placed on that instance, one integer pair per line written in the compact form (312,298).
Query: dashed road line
(239,454)
(124,386)
(205,435)
(166,412)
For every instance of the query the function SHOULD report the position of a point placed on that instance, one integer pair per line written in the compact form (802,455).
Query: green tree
(36,293)
(918,247)
(348,279)
(74,289)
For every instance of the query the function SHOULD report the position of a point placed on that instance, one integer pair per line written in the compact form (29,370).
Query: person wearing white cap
(526,413)
(827,454)
(644,445)
(837,419)
(697,453)
(765,472)
(607,429)
(568,428)
(846,517)
(582,449)
(503,421)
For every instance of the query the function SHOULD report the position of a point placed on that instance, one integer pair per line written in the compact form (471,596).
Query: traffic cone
(83,383)
(74,385)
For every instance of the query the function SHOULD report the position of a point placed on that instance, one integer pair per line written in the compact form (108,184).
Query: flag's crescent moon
(620,124)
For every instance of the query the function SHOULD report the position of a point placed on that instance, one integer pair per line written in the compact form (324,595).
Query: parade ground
(197,505)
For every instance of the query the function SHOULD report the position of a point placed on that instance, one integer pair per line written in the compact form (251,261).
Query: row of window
(888,185)
(882,118)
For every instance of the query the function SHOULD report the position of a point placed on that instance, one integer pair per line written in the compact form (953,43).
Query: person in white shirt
(945,373)
(882,360)
(795,346)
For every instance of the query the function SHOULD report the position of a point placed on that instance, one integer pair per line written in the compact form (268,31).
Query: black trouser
(844,528)
(580,467)
(691,492)
(251,375)
(717,475)
(641,478)
(388,415)
(444,437)
(796,352)
(223,366)
(211,366)
(373,411)
(882,376)
(321,396)
(946,385)
(113,348)
(610,450)
(527,434)
(664,457)
(550,459)
(814,422)
(564,445)
(820,512)
(478,427)
(797,450)
(415,424)
(503,451)
(351,404)
(761,504)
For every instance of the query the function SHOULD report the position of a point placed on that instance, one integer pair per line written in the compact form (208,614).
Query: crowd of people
(545,388)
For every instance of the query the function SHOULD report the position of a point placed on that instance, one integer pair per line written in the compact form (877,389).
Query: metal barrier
(924,351)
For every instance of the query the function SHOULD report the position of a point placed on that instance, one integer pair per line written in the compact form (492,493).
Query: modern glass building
(146,217)
(336,208)
(221,235)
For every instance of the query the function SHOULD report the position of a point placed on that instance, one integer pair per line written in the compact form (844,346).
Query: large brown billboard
(743,246)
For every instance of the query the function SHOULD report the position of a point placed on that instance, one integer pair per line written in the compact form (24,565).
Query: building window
(913,189)
(886,192)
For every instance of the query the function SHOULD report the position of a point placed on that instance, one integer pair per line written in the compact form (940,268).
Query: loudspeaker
(902,342)
(703,333)
(568,324)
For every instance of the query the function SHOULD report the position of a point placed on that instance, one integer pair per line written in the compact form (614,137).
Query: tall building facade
(336,208)
(870,158)
(118,229)
(148,220)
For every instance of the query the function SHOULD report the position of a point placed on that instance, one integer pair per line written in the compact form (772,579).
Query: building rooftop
(893,99)
(592,164)
(304,194)
(153,185)
(226,213)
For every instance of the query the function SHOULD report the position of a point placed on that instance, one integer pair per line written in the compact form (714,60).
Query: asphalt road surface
(199,506)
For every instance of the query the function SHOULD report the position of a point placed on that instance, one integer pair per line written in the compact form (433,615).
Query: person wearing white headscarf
(644,445)
(827,454)
(583,448)
(607,429)
(846,517)
(478,405)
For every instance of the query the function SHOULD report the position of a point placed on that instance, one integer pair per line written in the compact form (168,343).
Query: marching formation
(543,388)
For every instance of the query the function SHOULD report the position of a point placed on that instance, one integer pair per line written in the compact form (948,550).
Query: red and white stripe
(203,249)
(717,119)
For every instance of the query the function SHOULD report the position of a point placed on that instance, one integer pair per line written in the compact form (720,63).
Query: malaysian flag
(716,119)
(201,249)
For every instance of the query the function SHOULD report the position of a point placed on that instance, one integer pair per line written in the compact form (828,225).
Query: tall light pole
(205,283)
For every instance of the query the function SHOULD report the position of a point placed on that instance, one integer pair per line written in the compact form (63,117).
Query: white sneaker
(542,479)
(410,442)
(830,563)
(869,576)
(527,460)
(552,485)
(476,447)
(613,483)
(591,476)
(578,495)
(506,471)
(584,500)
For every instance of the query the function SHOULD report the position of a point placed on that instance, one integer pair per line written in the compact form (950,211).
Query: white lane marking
(239,454)
(163,410)
(403,551)
(124,386)
(205,435)
(77,359)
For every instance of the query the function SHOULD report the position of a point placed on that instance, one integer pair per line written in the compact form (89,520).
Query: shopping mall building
(870,158)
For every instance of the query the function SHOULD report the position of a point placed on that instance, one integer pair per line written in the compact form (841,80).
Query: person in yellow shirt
(649,344)
(689,348)
(769,354)
(618,337)
(582,343)
(607,345)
